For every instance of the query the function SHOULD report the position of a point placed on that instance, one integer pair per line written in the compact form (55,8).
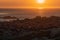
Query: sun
(41,1)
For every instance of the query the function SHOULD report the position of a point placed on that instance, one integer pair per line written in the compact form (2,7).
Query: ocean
(29,13)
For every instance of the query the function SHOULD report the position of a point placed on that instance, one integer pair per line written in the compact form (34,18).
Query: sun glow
(40,1)
(40,8)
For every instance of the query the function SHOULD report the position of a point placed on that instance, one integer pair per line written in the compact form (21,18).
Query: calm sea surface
(29,13)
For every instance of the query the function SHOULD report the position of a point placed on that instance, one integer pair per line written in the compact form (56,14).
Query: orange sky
(28,4)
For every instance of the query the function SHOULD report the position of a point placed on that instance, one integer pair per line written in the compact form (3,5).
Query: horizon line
(29,7)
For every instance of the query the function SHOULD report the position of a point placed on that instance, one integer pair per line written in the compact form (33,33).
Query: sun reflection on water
(41,11)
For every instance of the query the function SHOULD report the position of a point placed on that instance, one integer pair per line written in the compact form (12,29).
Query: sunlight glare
(40,8)
(40,1)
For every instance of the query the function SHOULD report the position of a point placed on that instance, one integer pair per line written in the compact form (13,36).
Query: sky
(29,4)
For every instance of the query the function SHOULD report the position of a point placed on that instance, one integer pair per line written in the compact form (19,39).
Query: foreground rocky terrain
(38,28)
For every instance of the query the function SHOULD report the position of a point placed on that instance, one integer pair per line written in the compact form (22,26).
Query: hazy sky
(28,3)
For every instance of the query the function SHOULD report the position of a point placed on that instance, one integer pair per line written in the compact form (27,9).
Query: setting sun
(40,1)
(30,4)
